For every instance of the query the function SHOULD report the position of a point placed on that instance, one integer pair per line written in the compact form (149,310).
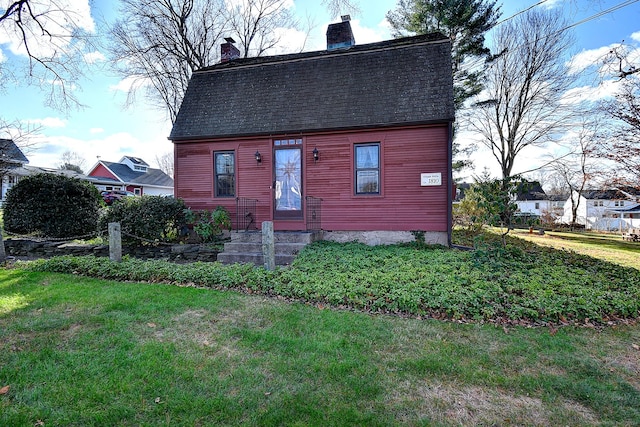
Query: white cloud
(577,95)
(96,130)
(48,122)
(125,85)
(550,4)
(636,36)
(2,57)
(589,58)
(93,57)
(110,148)
(61,18)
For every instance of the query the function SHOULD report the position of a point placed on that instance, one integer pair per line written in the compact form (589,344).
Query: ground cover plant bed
(81,351)
(521,284)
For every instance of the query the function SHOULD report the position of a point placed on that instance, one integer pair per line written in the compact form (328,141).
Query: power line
(575,24)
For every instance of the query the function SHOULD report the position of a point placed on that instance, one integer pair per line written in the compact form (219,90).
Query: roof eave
(378,126)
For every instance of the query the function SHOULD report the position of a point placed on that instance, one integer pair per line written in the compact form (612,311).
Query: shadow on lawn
(608,242)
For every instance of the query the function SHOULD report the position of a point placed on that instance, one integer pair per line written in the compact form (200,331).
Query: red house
(354,140)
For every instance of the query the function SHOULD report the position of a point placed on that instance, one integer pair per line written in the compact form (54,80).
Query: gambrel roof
(396,82)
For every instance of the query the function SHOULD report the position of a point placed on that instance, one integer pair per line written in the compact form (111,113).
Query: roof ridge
(412,41)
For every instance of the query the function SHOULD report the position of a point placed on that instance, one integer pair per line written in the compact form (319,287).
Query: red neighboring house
(355,139)
(131,174)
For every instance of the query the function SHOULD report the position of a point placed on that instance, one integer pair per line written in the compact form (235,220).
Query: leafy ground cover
(520,284)
(83,351)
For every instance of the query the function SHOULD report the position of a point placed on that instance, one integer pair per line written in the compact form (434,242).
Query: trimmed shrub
(52,206)
(153,218)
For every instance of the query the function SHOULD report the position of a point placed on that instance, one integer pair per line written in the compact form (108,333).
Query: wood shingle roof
(397,82)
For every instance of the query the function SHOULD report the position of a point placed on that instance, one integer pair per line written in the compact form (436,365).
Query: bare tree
(578,168)
(158,44)
(165,163)
(255,23)
(622,144)
(341,7)
(70,160)
(524,83)
(54,36)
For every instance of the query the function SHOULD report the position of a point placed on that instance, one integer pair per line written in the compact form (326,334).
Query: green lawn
(345,336)
(82,351)
(609,247)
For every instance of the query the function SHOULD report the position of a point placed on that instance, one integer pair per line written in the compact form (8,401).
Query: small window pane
(226,185)
(367,182)
(367,156)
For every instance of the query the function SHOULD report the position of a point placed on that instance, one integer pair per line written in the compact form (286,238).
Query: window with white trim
(224,164)
(367,168)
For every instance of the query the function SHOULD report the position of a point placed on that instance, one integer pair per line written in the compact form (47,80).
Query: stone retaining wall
(43,249)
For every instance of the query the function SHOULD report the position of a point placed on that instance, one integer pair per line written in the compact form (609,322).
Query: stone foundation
(373,238)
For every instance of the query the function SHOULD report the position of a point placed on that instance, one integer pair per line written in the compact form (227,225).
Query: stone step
(279,236)
(246,246)
(252,258)
(281,248)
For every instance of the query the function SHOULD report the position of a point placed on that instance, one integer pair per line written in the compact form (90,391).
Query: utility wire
(575,24)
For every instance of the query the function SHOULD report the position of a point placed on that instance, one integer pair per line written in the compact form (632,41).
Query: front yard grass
(609,246)
(166,344)
(82,351)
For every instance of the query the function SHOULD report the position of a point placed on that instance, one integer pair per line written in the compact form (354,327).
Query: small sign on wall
(430,179)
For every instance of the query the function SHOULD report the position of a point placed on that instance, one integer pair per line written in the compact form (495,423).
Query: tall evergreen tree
(465,22)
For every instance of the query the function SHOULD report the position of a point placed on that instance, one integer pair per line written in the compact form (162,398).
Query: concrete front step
(252,258)
(281,248)
(246,247)
(305,237)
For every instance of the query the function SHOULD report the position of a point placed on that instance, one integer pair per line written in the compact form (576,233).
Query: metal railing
(246,214)
(314,213)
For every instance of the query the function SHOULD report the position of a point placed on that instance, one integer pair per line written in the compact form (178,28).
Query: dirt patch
(451,404)
(206,329)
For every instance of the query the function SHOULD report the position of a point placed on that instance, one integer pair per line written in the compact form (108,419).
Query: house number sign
(430,179)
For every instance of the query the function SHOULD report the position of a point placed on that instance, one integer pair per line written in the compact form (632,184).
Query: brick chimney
(340,35)
(228,50)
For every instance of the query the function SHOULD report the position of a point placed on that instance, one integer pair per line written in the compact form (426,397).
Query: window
(618,203)
(136,191)
(225,173)
(537,205)
(598,203)
(367,162)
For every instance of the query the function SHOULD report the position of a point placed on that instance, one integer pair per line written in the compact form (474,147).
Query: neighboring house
(356,138)
(12,159)
(607,210)
(130,174)
(532,200)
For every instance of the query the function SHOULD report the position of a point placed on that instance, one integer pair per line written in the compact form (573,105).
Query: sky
(106,129)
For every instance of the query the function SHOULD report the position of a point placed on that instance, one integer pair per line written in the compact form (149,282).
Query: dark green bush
(52,206)
(152,218)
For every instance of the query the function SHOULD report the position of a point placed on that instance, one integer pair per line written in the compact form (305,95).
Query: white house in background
(131,174)
(532,200)
(12,161)
(606,210)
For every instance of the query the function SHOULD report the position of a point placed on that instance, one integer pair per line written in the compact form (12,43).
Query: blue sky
(107,129)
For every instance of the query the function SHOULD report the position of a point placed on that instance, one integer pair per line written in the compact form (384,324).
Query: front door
(288,182)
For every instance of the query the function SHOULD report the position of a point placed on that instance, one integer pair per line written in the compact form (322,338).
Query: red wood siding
(101,171)
(403,204)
